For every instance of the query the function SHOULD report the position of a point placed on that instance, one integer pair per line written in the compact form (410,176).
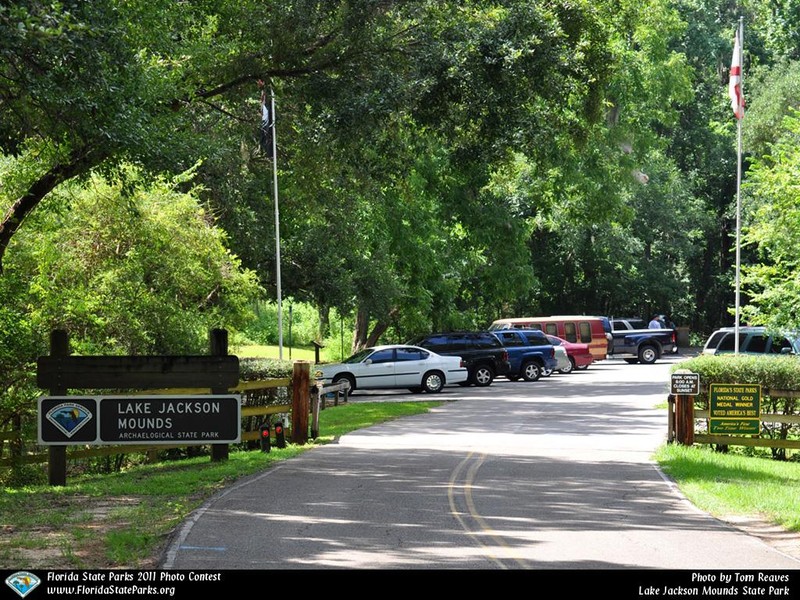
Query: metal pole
(740,35)
(277,223)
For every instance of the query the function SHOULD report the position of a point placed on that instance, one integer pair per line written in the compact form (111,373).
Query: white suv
(752,340)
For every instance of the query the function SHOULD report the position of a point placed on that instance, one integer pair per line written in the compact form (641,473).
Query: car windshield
(359,356)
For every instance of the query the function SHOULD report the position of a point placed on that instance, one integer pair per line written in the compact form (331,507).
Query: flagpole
(277,222)
(740,36)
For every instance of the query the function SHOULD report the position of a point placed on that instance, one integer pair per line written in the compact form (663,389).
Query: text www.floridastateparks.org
(99,590)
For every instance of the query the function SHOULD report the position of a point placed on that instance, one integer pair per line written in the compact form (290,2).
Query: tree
(131,268)
(773,230)
(86,84)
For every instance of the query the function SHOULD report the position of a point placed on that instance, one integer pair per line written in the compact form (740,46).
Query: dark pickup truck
(632,337)
(530,353)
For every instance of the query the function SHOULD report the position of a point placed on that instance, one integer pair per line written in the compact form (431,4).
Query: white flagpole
(277,222)
(740,37)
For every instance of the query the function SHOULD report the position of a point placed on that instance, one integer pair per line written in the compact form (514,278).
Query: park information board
(734,408)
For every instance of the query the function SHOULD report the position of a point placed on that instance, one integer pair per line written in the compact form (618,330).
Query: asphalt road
(553,474)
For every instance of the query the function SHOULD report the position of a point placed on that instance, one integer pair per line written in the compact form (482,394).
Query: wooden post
(684,419)
(317,346)
(218,339)
(301,376)
(57,455)
(316,395)
(670,418)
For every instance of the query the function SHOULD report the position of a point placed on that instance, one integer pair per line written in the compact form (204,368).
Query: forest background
(439,165)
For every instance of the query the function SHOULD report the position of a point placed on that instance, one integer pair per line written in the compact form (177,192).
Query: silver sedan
(396,366)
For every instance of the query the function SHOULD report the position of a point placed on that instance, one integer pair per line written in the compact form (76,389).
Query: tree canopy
(441,164)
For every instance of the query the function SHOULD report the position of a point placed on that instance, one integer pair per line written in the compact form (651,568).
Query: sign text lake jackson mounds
(170,419)
(141,419)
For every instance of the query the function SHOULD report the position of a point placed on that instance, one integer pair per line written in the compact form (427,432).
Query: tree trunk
(380,328)
(361,330)
(79,163)
(362,337)
(324,314)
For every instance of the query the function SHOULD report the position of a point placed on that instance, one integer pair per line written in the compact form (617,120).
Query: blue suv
(530,353)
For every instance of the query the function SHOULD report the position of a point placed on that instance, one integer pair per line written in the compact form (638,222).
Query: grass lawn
(724,484)
(263,351)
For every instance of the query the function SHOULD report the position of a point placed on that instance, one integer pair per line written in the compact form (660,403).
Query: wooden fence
(682,417)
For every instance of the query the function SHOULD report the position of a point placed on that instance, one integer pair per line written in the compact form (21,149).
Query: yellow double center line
(471,518)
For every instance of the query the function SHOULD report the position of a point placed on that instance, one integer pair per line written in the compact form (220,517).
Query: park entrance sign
(203,419)
(65,420)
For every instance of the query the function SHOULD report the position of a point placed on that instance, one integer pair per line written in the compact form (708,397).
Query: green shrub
(253,369)
(300,322)
(22,475)
(775,374)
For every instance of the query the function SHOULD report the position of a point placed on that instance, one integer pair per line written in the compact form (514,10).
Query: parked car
(530,353)
(578,355)
(752,340)
(483,354)
(562,361)
(632,337)
(609,333)
(395,366)
(574,328)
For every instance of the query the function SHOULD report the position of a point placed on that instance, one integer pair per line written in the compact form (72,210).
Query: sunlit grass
(264,351)
(732,484)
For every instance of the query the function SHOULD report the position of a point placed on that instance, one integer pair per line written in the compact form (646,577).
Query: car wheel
(531,371)
(483,376)
(433,382)
(648,355)
(345,378)
(569,368)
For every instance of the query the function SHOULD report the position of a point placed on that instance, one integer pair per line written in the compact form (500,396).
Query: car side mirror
(786,351)
(368,361)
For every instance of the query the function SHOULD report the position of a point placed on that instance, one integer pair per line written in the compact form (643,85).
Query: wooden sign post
(684,385)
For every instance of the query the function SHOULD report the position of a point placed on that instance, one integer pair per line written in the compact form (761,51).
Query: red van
(573,328)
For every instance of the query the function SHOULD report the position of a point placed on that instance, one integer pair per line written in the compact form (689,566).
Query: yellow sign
(735,408)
